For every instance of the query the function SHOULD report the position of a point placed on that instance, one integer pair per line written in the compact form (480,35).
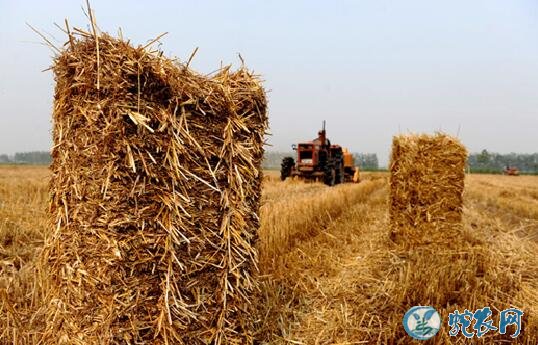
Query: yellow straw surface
(427,175)
(155,194)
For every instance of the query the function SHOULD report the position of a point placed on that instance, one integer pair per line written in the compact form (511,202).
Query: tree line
(33,157)
(482,162)
(491,162)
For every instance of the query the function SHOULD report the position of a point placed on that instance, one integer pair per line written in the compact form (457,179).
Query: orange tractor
(319,160)
(511,171)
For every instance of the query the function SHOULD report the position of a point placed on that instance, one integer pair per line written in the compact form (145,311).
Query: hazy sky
(370,68)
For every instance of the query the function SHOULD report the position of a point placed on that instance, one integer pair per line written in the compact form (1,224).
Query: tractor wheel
(286,167)
(330,175)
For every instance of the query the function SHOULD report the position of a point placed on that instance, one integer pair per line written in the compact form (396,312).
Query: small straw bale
(155,192)
(426,187)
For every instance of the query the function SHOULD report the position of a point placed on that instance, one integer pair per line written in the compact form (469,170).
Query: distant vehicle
(319,160)
(511,171)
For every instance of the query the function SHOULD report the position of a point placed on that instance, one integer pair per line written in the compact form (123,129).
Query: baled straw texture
(437,259)
(427,175)
(154,198)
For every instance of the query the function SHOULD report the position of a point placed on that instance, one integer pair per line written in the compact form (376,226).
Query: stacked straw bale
(154,198)
(443,261)
(427,175)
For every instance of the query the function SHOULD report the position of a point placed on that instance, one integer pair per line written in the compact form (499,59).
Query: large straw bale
(426,179)
(154,198)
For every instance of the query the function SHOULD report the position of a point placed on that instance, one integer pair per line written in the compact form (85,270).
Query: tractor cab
(309,154)
(306,154)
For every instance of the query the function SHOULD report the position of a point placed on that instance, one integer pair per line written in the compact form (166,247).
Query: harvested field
(338,281)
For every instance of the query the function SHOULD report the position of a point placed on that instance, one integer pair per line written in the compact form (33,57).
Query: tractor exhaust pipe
(321,134)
